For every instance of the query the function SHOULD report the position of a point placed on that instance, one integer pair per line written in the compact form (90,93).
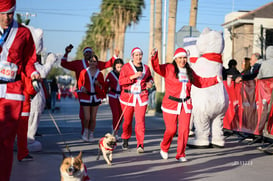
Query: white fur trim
(137,50)
(87,49)
(184,54)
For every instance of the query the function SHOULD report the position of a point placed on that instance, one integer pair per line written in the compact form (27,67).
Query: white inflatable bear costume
(39,101)
(209,104)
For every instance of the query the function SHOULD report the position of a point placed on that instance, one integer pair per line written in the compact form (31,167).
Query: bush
(159,96)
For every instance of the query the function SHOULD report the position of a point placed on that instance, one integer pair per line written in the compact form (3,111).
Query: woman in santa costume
(17,55)
(78,65)
(92,87)
(176,104)
(113,91)
(135,78)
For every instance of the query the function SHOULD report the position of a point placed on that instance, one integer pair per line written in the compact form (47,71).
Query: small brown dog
(73,169)
(106,146)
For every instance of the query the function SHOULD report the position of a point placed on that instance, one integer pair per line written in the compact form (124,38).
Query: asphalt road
(237,161)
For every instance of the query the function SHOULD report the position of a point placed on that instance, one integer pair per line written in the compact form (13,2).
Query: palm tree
(124,13)
(158,41)
(171,29)
(152,31)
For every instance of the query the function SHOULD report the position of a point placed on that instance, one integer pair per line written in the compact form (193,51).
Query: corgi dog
(73,169)
(106,146)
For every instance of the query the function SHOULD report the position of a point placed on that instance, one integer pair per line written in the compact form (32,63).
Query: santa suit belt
(179,99)
(129,91)
(91,93)
(18,77)
(116,92)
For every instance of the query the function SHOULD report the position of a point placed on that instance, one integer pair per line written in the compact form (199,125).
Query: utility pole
(193,13)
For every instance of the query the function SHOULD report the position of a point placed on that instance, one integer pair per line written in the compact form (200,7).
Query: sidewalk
(237,161)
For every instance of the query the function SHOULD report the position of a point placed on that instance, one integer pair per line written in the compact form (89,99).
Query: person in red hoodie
(78,65)
(17,55)
(176,104)
(135,78)
(92,87)
(113,91)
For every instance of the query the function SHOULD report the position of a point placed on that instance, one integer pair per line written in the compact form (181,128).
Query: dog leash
(59,131)
(120,118)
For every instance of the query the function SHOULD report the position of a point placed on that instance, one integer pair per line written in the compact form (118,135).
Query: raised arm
(103,65)
(160,69)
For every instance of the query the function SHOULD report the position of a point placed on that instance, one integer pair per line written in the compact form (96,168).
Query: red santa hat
(180,52)
(87,49)
(7,6)
(136,49)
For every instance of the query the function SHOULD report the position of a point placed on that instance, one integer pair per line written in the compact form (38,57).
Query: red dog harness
(101,145)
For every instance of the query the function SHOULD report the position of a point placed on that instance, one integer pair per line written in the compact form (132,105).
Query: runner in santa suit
(78,65)
(17,55)
(113,91)
(22,149)
(176,104)
(135,78)
(92,87)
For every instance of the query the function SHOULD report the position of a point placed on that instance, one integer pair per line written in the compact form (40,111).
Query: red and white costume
(95,94)
(38,103)
(176,103)
(134,98)
(113,88)
(17,55)
(77,66)
(22,149)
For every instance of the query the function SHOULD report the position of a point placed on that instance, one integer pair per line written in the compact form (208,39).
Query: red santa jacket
(128,95)
(17,55)
(112,85)
(177,90)
(78,65)
(95,93)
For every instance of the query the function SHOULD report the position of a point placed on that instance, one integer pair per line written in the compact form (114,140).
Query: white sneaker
(182,159)
(91,136)
(164,155)
(85,135)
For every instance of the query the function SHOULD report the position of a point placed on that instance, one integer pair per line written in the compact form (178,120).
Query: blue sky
(65,21)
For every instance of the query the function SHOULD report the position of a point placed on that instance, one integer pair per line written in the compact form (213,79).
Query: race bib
(136,89)
(183,77)
(8,71)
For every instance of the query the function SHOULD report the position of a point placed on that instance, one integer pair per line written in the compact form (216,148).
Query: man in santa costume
(38,102)
(209,104)
(78,65)
(135,78)
(17,55)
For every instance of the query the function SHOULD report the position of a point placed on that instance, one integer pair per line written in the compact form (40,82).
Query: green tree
(21,20)
(55,71)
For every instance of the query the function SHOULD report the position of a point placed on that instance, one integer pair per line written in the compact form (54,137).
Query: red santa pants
(22,150)
(10,111)
(139,122)
(171,129)
(116,112)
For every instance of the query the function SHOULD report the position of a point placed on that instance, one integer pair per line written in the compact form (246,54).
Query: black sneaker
(140,149)
(125,144)
(27,158)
